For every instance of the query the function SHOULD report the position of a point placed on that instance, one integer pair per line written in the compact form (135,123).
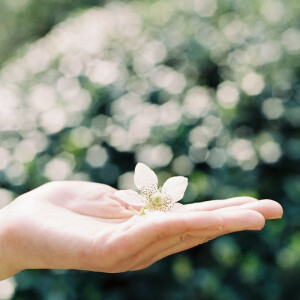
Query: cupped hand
(83,225)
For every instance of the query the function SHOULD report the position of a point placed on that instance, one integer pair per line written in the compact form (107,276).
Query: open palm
(83,225)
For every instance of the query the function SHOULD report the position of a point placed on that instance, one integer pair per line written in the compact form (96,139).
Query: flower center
(157,198)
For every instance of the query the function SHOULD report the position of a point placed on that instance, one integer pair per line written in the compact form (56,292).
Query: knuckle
(184,237)
(248,198)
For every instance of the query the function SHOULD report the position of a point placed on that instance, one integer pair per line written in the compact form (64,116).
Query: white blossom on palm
(150,197)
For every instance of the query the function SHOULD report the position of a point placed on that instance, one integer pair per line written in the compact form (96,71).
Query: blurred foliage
(24,21)
(206,89)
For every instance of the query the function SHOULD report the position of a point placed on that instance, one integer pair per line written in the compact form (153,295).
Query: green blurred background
(206,89)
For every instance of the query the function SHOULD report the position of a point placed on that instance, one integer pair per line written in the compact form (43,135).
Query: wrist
(8,266)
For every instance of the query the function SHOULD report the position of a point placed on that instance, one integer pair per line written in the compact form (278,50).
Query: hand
(82,225)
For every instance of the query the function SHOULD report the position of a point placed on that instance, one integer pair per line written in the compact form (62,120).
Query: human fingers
(207,222)
(106,208)
(268,208)
(125,204)
(232,222)
(217,204)
(242,219)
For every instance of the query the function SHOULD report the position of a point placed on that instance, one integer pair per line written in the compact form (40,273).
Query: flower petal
(130,197)
(144,176)
(175,187)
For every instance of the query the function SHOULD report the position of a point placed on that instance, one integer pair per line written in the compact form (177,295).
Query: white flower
(150,196)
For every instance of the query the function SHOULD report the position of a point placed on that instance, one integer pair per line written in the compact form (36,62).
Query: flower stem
(133,210)
(142,211)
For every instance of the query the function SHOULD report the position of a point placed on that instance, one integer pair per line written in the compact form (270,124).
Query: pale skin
(82,225)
